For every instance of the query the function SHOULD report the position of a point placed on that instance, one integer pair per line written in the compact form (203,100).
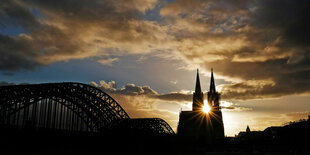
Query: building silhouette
(247,129)
(293,133)
(199,125)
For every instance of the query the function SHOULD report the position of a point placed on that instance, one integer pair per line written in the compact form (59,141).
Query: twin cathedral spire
(198,97)
(199,126)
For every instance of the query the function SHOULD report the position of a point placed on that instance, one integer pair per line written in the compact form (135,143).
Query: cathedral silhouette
(200,125)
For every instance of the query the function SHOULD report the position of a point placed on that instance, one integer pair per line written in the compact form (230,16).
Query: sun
(206,108)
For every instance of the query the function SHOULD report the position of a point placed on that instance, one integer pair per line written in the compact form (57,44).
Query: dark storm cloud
(263,44)
(16,52)
(271,78)
(64,30)
(16,13)
(290,17)
(289,21)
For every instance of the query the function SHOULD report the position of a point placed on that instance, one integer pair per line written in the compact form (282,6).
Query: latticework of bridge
(68,106)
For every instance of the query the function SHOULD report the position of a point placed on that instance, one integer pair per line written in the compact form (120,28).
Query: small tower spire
(212,84)
(197,87)
(248,129)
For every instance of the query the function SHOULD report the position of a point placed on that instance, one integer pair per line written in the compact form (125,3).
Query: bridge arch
(69,106)
(44,105)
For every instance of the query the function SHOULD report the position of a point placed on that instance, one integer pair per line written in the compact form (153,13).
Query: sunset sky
(145,53)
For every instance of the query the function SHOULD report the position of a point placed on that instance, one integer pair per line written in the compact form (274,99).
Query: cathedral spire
(197,87)
(198,95)
(212,84)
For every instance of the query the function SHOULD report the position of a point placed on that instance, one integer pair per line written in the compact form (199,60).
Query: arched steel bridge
(71,107)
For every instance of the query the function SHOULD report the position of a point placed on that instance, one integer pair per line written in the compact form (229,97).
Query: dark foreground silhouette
(288,139)
(78,118)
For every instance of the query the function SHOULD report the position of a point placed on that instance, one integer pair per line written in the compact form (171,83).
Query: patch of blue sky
(69,71)
(154,72)
(11,29)
(154,14)
(150,70)
(36,13)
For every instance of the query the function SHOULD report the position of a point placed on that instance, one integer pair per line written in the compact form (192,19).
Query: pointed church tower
(213,96)
(212,84)
(216,117)
(197,86)
(198,95)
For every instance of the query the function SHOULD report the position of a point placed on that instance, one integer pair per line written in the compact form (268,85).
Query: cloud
(174,81)
(64,30)
(229,106)
(15,12)
(262,122)
(131,89)
(264,44)
(294,116)
(176,96)
(272,78)
(141,106)
(143,101)
(3,83)
(183,97)
(108,61)
(16,52)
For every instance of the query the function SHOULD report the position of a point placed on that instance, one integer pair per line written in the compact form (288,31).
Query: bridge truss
(68,106)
